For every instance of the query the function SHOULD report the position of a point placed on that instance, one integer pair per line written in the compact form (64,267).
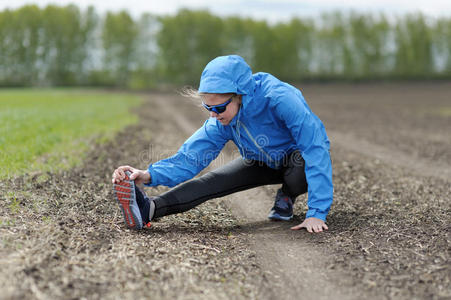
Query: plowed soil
(62,235)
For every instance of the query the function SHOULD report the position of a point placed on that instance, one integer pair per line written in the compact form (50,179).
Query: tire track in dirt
(396,158)
(296,267)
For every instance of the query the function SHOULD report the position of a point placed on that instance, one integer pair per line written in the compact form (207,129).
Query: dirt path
(294,266)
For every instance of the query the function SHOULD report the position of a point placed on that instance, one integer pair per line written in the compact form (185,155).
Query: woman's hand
(139,176)
(312,225)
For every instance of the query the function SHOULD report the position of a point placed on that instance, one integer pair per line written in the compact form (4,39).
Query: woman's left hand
(139,176)
(312,225)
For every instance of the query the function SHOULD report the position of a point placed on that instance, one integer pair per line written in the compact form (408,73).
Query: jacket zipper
(239,124)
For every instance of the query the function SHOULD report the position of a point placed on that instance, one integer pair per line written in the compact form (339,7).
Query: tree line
(67,46)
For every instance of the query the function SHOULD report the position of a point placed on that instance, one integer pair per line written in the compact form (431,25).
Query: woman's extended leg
(235,176)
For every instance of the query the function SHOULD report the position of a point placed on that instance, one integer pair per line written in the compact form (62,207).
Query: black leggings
(237,175)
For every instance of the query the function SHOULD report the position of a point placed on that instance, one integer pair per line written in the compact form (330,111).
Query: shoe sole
(277,217)
(124,192)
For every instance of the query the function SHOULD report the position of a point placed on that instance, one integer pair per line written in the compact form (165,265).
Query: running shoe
(283,207)
(132,203)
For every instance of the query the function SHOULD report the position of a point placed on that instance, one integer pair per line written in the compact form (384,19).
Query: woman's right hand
(139,176)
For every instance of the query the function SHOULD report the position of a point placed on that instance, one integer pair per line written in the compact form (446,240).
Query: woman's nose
(213,114)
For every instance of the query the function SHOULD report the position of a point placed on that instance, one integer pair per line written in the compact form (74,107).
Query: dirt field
(62,235)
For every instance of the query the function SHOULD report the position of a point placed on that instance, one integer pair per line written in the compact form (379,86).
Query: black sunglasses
(220,108)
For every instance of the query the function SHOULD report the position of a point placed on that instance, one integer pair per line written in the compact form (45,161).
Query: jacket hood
(227,74)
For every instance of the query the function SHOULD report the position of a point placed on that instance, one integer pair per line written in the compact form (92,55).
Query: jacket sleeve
(193,156)
(310,135)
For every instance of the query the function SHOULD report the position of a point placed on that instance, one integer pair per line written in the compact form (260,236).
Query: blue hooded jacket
(273,121)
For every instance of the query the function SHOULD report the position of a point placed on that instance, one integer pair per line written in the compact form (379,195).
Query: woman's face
(231,110)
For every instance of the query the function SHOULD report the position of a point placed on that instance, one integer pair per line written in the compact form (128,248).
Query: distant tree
(368,37)
(28,22)
(414,47)
(331,53)
(187,42)
(119,36)
(7,47)
(302,32)
(264,42)
(19,36)
(442,45)
(284,49)
(237,37)
(63,48)
(89,55)
(286,60)
(144,75)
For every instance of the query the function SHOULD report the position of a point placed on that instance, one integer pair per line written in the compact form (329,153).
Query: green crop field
(45,130)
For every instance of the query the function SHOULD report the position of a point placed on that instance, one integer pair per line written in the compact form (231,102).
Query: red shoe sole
(125,194)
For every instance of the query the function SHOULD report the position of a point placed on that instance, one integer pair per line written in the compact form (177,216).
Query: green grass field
(46,130)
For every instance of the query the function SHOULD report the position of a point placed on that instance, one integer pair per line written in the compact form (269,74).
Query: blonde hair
(190,92)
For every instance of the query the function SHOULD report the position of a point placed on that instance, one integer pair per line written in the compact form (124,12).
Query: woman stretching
(279,138)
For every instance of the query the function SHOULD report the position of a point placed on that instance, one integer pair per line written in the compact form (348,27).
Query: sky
(270,10)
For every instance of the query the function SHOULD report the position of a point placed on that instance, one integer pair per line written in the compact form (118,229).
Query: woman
(279,138)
